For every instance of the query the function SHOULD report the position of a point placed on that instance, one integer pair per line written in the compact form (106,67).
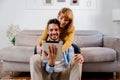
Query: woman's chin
(62,26)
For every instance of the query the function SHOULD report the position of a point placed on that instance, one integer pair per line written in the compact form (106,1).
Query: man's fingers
(79,58)
(46,54)
(51,50)
(49,47)
(55,50)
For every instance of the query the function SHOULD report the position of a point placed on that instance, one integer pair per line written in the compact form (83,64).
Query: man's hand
(78,58)
(52,55)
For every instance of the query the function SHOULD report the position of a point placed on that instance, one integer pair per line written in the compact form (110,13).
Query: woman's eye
(66,20)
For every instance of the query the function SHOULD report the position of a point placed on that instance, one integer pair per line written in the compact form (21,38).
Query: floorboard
(85,76)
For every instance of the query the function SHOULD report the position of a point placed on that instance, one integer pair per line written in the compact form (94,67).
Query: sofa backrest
(28,37)
(83,38)
(88,38)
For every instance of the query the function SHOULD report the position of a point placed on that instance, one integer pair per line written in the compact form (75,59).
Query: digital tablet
(46,44)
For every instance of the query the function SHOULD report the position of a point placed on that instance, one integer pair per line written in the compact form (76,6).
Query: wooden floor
(100,76)
(85,76)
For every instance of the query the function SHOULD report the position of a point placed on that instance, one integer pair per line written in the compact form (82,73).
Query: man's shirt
(62,64)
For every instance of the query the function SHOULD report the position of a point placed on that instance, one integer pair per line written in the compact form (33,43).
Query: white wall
(15,12)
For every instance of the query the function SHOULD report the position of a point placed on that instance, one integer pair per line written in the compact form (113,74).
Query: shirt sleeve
(49,69)
(70,53)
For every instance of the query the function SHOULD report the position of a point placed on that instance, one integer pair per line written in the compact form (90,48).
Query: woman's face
(63,20)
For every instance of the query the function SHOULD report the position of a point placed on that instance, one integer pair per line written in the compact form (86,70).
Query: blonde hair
(67,12)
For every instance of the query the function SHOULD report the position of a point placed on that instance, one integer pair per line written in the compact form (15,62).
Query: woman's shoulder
(71,30)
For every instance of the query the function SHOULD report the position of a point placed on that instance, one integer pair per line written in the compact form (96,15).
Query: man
(68,68)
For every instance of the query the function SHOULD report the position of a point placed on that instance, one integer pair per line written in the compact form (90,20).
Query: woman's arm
(37,49)
(69,40)
(43,37)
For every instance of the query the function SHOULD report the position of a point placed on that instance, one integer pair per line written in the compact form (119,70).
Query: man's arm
(51,58)
(77,57)
(70,53)
(48,68)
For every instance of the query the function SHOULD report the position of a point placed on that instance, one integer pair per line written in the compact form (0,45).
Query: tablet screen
(59,44)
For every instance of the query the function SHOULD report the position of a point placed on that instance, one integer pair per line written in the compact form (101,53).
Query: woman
(65,17)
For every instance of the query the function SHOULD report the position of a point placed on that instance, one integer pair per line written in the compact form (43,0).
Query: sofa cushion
(16,53)
(98,54)
(88,38)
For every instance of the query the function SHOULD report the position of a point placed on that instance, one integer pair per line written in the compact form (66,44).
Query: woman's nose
(62,21)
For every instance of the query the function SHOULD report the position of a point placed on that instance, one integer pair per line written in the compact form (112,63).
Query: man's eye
(51,30)
(56,29)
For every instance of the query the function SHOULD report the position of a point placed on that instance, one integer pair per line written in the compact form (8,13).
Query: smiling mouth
(54,35)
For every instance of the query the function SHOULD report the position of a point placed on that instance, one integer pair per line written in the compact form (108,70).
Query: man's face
(53,32)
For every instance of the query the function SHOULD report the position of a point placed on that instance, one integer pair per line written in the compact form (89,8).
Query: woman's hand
(39,49)
(52,55)
(78,58)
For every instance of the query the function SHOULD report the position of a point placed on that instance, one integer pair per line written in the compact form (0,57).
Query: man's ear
(60,30)
(47,31)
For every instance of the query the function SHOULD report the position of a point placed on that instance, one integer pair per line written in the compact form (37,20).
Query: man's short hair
(53,21)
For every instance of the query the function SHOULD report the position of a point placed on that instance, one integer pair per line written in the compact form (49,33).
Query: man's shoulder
(71,48)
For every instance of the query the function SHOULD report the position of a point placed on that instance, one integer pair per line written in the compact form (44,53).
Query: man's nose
(54,31)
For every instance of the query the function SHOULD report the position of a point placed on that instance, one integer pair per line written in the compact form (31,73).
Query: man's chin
(54,39)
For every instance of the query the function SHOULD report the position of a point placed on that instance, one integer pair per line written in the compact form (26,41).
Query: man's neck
(49,39)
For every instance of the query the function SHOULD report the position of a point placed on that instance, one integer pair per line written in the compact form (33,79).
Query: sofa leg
(11,74)
(1,61)
(114,75)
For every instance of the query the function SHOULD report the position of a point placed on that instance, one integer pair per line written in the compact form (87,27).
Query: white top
(59,66)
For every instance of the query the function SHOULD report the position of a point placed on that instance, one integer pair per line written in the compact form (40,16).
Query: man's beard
(54,37)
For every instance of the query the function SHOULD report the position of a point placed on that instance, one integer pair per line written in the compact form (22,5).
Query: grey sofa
(101,53)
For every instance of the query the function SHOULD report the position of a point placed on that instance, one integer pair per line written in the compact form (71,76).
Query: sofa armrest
(112,42)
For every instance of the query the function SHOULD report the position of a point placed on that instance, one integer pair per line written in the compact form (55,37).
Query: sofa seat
(90,54)
(17,53)
(98,54)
